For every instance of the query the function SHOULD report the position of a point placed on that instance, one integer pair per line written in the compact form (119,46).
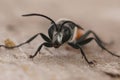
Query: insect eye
(51,31)
(66,34)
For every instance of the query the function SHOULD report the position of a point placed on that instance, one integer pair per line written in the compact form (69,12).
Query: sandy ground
(65,63)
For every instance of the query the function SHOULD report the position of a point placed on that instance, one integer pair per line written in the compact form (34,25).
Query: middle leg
(78,46)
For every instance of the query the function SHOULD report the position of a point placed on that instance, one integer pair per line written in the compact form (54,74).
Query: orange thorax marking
(79,33)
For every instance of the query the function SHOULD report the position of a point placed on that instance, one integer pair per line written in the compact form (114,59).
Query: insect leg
(86,41)
(39,48)
(89,62)
(99,44)
(87,34)
(29,40)
(77,46)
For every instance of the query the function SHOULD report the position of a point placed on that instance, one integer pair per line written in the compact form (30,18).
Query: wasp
(64,31)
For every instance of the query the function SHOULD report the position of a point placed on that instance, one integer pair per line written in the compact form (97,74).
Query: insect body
(65,31)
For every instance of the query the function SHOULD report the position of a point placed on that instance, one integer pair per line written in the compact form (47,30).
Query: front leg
(39,48)
(28,41)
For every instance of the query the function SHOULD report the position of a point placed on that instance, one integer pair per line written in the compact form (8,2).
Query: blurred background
(102,16)
(90,14)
